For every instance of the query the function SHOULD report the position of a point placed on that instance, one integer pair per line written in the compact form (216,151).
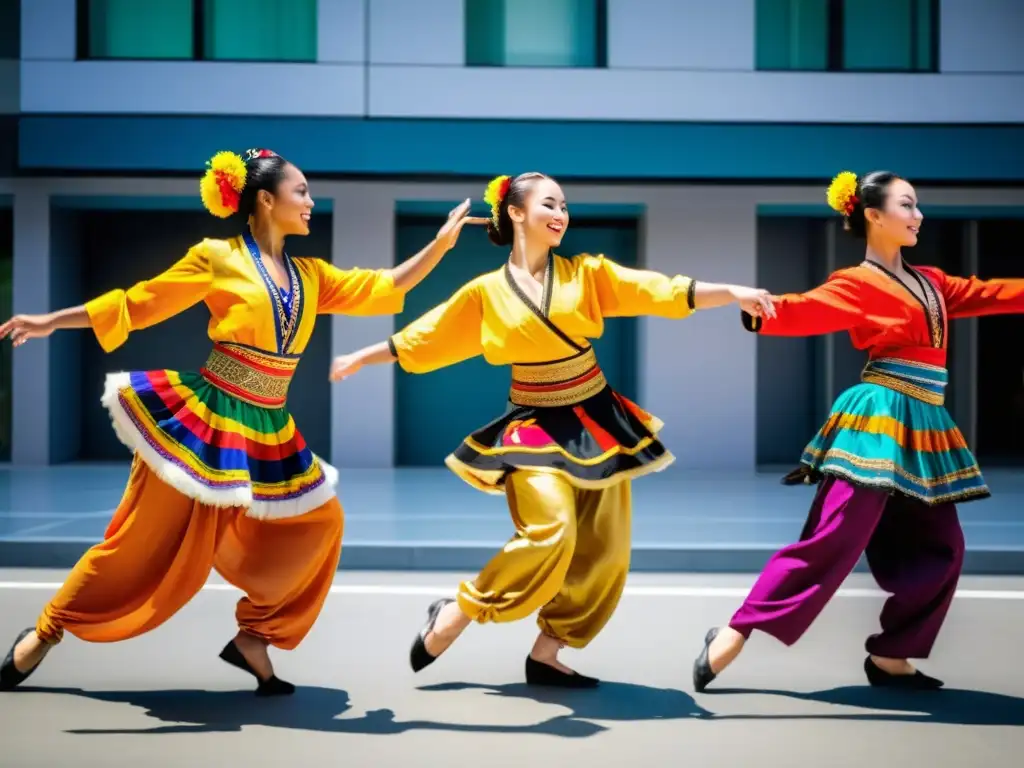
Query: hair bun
(842,193)
(222,184)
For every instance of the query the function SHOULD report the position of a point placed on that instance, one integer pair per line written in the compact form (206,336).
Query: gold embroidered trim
(560,370)
(903,386)
(559,383)
(887,465)
(570,395)
(243,371)
(887,484)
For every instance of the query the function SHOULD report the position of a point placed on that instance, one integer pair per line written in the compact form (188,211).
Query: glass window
(888,35)
(268,30)
(535,33)
(840,35)
(130,29)
(791,34)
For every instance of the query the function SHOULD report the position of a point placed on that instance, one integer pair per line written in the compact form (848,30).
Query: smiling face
(898,221)
(289,207)
(543,216)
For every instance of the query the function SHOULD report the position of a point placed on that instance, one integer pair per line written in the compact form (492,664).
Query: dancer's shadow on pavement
(322,710)
(611,701)
(949,706)
(311,708)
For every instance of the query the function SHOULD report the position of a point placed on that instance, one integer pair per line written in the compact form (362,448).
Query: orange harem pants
(158,552)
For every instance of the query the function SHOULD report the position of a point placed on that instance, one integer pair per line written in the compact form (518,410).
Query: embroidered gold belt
(558,383)
(252,375)
(926,383)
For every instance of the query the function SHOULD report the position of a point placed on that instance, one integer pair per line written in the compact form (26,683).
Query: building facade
(691,136)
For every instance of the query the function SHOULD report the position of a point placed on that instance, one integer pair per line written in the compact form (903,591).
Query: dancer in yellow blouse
(568,445)
(221,476)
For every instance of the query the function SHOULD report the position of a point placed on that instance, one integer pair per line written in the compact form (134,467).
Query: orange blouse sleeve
(971,297)
(834,306)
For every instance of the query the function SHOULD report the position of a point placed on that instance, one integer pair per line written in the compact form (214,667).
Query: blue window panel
(888,36)
(791,34)
(268,30)
(129,29)
(534,33)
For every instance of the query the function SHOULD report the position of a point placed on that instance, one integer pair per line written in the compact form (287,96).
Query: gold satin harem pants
(569,558)
(159,550)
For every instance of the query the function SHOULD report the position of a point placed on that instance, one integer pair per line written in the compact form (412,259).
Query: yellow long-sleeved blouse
(238,291)
(493,317)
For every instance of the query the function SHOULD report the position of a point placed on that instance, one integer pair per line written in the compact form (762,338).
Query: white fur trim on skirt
(130,435)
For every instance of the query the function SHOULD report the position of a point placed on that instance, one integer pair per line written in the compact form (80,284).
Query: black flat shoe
(702,674)
(10,676)
(539,673)
(419,657)
(918,681)
(272,686)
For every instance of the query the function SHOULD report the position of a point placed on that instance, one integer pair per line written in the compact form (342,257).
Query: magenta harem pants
(915,552)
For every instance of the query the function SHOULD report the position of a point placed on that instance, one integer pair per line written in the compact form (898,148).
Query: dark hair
(872,192)
(501,233)
(264,170)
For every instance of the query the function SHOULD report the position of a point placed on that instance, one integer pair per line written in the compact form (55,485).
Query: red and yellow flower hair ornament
(495,193)
(842,193)
(222,184)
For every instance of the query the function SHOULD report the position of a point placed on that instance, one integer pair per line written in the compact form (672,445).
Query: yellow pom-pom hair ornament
(495,193)
(222,184)
(842,193)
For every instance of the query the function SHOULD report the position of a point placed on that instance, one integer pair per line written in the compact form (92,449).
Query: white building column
(341,31)
(699,375)
(30,367)
(362,407)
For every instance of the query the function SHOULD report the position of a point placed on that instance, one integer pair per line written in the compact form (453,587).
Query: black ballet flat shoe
(272,686)
(419,656)
(702,674)
(539,673)
(10,676)
(918,681)
(802,475)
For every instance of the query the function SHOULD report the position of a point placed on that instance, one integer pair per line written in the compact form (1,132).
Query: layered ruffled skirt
(893,432)
(563,418)
(222,435)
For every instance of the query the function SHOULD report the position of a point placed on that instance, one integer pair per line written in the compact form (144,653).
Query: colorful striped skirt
(563,418)
(893,432)
(222,435)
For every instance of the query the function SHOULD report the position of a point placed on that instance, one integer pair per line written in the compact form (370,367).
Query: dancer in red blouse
(889,461)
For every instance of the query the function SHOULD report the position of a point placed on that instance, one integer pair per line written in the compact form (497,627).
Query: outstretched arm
(833,306)
(411,272)
(446,335)
(972,297)
(366,292)
(625,292)
(118,313)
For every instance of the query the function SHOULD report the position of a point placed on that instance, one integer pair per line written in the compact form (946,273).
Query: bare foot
(545,650)
(30,652)
(724,649)
(894,666)
(451,622)
(254,650)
